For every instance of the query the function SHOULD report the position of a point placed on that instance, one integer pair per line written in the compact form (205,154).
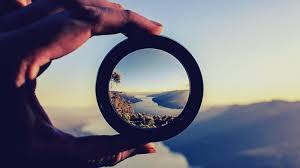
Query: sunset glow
(247,51)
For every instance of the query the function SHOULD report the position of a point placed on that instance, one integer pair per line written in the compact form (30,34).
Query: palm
(47,146)
(44,143)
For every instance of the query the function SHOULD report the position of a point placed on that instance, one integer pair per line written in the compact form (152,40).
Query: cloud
(284,154)
(163,158)
(87,121)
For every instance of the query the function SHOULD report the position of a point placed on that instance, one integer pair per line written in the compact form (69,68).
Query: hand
(32,139)
(40,144)
(101,19)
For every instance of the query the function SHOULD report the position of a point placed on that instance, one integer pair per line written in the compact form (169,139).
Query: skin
(32,34)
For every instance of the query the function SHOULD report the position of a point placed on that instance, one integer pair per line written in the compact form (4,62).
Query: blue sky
(151,70)
(248,51)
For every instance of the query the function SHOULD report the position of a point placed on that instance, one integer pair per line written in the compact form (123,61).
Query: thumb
(29,69)
(148,148)
(143,149)
(36,65)
(107,150)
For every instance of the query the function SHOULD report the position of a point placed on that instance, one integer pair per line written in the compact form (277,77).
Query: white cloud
(89,120)
(163,158)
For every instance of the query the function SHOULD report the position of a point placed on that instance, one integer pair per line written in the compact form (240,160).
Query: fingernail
(151,150)
(19,83)
(150,147)
(157,30)
(156,23)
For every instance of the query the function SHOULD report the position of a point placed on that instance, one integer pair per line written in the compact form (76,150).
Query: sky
(248,51)
(150,70)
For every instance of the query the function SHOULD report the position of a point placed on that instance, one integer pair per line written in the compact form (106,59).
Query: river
(147,106)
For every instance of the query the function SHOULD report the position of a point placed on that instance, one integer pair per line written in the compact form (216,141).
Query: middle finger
(104,3)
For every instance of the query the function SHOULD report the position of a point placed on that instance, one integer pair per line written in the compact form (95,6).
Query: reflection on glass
(149,88)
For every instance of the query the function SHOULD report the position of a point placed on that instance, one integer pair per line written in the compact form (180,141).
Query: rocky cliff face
(120,104)
(126,111)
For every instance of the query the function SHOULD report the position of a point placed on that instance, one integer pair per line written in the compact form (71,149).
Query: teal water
(147,106)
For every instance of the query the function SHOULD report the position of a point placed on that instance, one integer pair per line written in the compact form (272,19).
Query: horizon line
(202,106)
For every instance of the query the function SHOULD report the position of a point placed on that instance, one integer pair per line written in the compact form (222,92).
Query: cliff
(141,120)
(120,104)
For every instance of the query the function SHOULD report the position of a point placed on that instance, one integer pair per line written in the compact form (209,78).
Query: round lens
(149,88)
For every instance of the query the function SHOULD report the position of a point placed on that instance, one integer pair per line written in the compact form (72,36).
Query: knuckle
(130,17)
(93,13)
(93,16)
(111,160)
(87,13)
(119,6)
(128,14)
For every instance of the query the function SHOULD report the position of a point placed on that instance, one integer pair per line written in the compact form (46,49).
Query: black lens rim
(182,55)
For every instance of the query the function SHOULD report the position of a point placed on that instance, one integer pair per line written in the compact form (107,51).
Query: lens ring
(173,48)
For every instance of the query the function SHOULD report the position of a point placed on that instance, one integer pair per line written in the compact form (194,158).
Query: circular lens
(149,88)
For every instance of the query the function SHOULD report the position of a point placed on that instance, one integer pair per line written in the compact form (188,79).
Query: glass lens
(149,88)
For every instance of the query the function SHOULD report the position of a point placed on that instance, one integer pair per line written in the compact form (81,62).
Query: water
(147,106)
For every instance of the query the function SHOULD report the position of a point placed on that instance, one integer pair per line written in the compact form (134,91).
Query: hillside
(172,99)
(121,105)
(125,109)
(259,135)
(127,97)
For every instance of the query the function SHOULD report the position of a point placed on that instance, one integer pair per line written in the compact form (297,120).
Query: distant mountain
(260,135)
(128,97)
(172,99)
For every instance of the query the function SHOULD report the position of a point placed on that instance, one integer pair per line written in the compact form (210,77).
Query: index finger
(137,24)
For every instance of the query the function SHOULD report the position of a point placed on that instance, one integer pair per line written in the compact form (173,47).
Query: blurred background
(249,55)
